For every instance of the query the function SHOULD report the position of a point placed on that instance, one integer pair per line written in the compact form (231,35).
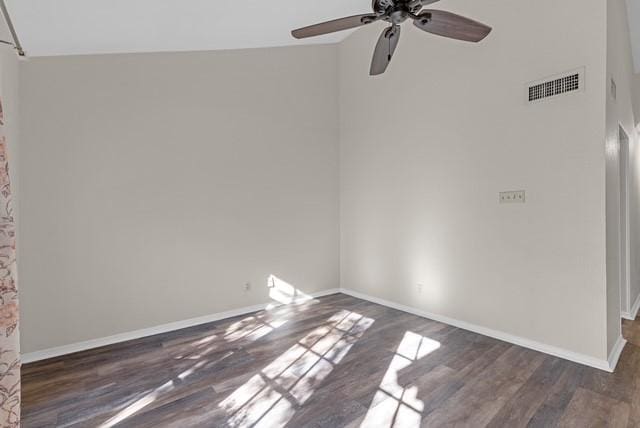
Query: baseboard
(635,309)
(606,365)
(146,332)
(631,316)
(614,356)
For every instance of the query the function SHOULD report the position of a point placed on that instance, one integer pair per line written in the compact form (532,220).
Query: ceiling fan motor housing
(398,16)
(391,6)
(380,6)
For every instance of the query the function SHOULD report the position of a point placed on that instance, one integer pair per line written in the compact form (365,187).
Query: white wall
(620,113)
(426,148)
(634,187)
(155,186)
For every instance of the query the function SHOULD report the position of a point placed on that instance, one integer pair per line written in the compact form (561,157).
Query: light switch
(516,197)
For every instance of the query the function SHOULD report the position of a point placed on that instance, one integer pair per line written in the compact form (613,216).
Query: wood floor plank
(519,410)
(620,385)
(484,397)
(387,402)
(330,362)
(589,409)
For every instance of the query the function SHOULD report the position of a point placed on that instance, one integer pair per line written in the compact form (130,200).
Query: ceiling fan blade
(450,25)
(334,25)
(385,48)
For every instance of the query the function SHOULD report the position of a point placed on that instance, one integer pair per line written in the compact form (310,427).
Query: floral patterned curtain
(9,336)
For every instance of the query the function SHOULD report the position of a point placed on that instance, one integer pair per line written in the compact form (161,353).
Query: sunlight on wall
(285,293)
(612,147)
(422,272)
(393,404)
(270,398)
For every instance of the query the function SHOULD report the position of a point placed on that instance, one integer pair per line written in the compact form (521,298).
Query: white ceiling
(72,27)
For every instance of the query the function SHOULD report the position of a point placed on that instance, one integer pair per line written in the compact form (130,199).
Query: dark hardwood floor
(332,362)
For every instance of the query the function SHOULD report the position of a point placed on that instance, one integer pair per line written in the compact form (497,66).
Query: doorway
(625,291)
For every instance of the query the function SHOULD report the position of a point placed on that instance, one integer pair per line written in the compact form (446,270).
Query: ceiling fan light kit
(395,12)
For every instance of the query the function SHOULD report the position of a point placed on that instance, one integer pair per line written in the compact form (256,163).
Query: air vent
(556,85)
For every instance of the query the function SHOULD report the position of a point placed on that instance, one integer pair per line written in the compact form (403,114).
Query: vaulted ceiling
(71,27)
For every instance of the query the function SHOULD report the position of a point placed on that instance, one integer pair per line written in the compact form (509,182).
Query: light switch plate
(515,197)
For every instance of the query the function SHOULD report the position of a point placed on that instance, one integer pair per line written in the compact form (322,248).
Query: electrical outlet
(419,288)
(247,287)
(517,197)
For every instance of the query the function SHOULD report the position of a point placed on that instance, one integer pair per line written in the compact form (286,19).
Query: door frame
(624,223)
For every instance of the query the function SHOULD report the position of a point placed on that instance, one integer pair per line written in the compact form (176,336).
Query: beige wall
(155,186)
(634,203)
(635,93)
(426,148)
(620,295)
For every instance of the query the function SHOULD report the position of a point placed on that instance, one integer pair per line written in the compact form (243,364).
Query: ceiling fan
(395,12)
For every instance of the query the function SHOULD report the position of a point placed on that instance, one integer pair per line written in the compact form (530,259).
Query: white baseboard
(635,309)
(145,332)
(606,365)
(631,316)
(615,353)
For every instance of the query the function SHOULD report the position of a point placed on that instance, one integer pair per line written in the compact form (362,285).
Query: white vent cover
(571,81)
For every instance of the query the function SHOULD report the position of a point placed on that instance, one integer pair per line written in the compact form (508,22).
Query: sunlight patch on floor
(270,398)
(138,405)
(250,328)
(395,405)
